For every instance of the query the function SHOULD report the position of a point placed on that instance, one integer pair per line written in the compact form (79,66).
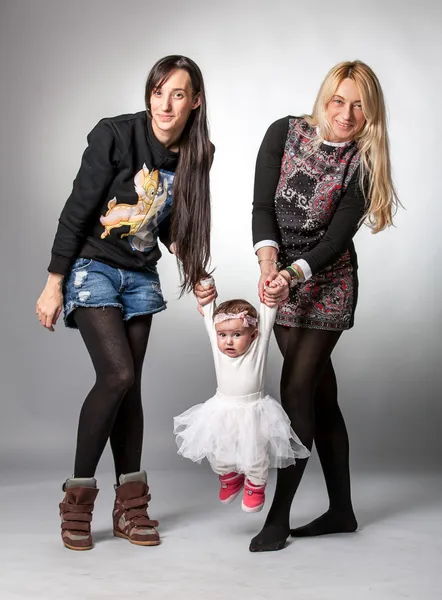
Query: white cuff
(265,243)
(305,268)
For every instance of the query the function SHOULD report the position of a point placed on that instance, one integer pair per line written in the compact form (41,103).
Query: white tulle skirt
(240,432)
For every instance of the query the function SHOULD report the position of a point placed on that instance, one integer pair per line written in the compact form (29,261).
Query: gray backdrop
(64,65)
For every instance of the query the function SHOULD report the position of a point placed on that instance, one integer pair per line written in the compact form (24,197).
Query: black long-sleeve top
(121,198)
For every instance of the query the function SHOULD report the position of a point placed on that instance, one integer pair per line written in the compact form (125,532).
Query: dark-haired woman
(143,176)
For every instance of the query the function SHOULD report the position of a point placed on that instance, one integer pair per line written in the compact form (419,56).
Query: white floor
(204,552)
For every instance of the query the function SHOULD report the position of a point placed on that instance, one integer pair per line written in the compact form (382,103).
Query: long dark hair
(191,189)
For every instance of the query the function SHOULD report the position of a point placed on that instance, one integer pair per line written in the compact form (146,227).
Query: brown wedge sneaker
(131,520)
(76,512)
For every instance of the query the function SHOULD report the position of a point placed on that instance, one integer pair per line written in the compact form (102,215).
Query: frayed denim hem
(71,306)
(145,312)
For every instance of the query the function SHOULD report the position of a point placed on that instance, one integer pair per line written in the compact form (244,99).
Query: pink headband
(247,320)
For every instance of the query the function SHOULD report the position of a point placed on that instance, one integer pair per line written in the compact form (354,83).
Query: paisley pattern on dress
(309,190)
(326,301)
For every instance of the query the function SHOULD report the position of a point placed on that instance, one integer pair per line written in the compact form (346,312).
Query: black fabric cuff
(60,264)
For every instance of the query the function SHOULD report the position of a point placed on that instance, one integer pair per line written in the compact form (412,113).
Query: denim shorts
(94,284)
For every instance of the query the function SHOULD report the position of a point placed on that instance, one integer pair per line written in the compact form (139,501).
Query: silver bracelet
(278,264)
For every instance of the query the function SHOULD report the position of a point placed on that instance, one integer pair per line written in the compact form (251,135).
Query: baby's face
(233,338)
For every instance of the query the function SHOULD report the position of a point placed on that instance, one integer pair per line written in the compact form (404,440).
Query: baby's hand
(279,281)
(271,284)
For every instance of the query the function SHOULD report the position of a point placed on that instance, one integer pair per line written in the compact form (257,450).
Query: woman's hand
(50,303)
(277,290)
(267,256)
(268,274)
(205,292)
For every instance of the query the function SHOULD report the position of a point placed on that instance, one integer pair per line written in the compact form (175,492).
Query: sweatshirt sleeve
(89,190)
(342,228)
(268,169)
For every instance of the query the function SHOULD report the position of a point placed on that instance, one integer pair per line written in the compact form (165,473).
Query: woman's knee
(117,382)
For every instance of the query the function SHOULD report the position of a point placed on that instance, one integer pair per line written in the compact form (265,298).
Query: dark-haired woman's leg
(104,334)
(126,437)
(113,407)
(113,410)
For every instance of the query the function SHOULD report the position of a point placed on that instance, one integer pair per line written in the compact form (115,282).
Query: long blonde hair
(372,139)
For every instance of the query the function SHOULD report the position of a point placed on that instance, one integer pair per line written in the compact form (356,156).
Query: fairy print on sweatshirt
(154,191)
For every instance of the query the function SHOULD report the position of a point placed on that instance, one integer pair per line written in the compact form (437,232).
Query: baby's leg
(254,489)
(231,482)
(259,473)
(222,469)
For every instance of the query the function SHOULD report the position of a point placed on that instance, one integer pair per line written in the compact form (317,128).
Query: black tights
(113,408)
(309,396)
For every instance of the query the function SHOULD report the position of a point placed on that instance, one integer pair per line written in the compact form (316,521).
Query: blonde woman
(317,179)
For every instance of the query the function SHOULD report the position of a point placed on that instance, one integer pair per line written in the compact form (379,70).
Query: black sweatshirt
(121,199)
(287,193)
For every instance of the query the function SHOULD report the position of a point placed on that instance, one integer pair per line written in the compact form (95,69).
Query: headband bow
(246,319)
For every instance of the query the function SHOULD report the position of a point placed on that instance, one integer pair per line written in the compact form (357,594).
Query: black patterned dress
(310,204)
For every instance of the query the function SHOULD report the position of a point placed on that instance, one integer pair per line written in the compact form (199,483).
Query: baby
(240,430)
